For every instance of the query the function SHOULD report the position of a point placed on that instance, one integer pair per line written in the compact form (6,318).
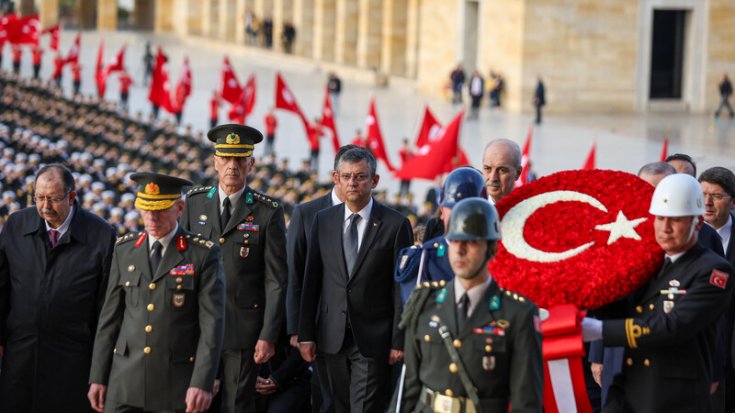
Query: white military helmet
(677,195)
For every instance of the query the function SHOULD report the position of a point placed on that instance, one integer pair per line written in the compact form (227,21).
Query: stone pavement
(624,141)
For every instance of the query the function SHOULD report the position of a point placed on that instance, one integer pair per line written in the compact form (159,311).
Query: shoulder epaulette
(517,297)
(202,242)
(417,300)
(127,237)
(265,199)
(199,190)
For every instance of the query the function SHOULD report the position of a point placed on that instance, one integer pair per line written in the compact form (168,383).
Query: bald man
(501,167)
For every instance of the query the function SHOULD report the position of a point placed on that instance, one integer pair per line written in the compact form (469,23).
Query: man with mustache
(250,229)
(54,264)
(501,167)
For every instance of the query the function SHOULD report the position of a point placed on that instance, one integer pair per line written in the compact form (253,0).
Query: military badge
(404,258)
(668,306)
(248,227)
(719,279)
(244,251)
(141,239)
(178,300)
(181,243)
(488,363)
(152,189)
(202,217)
(232,139)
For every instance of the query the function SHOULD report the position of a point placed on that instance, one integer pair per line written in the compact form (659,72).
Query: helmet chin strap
(692,228)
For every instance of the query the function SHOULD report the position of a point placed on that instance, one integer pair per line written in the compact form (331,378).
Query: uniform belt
(440,403)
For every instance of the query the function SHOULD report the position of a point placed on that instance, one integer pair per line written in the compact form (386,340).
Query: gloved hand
(591,329)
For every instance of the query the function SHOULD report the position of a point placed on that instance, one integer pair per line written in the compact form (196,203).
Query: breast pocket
(180,291)
(130,284)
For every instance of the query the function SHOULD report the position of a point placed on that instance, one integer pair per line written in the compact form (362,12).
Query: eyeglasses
(50,199)
(716,196)
(356,177)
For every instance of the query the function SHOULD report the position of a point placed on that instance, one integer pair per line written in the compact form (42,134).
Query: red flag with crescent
(328,122)
(374,137)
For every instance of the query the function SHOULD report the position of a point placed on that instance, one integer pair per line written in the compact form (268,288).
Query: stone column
(412,37)
(49,13)
(303,12)
(106,14)
(164,16)
(324,25)
(345,38)
(282,13)
(226,18)
(240,8)
(393,48)
(144,14)
(369,37)
(85,13)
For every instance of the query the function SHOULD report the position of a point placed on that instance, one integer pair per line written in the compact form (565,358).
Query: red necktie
(53,237)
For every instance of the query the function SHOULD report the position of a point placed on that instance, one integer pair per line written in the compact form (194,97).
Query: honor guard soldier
(250,229)
(162,324)
(669,326)
(431,260)
(470,345)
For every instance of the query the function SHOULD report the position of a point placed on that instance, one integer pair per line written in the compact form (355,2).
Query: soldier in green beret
(250,229)
(161,327)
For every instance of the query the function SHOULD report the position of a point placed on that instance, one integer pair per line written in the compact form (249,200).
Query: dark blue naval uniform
(436,265)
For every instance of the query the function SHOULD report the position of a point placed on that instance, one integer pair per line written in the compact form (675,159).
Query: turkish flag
(525,159)
(183,88)
(244,107)
(230,88)
(160,92)
(100,75)
(58,66)
(434,158)
(287,101)
(328,120)
(665,149)
(55,32)
(430,131)
(4,27)
(589,164)
(73,55)
(23,30)
(374,137)
(118,62)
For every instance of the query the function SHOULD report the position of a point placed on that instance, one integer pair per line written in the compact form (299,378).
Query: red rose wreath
(574,240)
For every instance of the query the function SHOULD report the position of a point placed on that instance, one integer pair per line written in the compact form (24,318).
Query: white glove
(591,329)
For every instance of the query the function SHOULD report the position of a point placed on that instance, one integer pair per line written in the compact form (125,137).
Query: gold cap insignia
(152,189)
(232,139)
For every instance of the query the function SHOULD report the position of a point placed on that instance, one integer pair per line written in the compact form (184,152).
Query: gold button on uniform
(152,286)
(221,240)
(178,287)
(151,307)
(647,362)
(449,392)
(427,338)
(127,283)
(651,307)
(147,350)
(191,359)
(629,361)
(453,368)
(148,328)
(488,348)
(457,343)
(639,309)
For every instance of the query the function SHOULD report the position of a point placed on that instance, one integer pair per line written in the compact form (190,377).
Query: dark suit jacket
(160,333)
(509,371)
(50,300)
(296,242)
(370,299)
(254,260)
(669,355)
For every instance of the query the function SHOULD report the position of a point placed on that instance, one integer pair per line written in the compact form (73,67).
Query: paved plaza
(624,141)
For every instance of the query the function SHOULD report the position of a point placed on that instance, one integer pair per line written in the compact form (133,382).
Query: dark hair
(657,168)
(356,155)
(683,157)
(720,176)
(341,152)
(60,169)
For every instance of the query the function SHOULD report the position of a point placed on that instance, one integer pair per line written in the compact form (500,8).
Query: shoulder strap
(463,376)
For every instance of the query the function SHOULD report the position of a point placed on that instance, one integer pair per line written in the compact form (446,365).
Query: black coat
(49,304)
(296,244)
(669,340)
(370,299)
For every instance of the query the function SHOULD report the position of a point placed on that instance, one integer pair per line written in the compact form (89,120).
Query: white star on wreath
(621,228)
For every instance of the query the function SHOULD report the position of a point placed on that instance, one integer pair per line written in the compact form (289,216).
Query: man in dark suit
(298,231)
(350,305)
(54,264)
(502,363)
(250,229)
(161,327)
(718,188)
(669,327)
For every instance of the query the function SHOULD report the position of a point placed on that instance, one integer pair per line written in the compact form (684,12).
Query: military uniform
(436,265)
(253,245)
(160,331)
(499,347)
(670,336)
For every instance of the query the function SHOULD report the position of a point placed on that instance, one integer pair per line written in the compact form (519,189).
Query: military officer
(431,258)
(250,229)
(470,345)
(161,327)
(669,326)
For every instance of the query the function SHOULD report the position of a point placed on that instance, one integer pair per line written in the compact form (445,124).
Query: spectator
(288,36)
(457,78)
(725,93)
(270,130)
(539,98)
(334,85)
(476,91)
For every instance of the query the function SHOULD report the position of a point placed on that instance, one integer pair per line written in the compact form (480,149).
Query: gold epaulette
(202,242)
(198,190)
(265,199)
(127,237)
(510,294)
